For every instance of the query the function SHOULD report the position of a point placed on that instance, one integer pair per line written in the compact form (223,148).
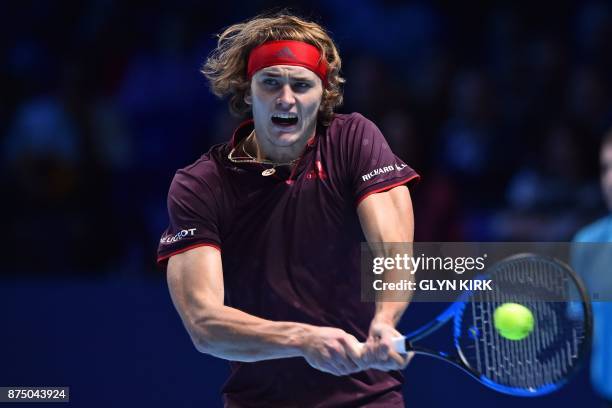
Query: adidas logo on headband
(285,52)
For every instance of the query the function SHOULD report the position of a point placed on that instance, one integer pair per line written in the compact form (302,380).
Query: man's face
(285,101)
(606,173)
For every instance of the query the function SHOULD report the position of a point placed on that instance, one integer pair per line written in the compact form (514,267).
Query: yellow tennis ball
(513,321)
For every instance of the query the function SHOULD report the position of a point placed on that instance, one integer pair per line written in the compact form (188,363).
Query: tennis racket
(540,363)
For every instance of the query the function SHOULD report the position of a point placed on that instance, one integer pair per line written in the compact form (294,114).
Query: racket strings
(548,354)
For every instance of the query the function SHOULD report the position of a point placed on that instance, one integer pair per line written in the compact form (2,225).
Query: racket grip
(399,344)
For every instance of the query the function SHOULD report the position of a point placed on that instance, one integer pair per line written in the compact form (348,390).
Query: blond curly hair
(225,68)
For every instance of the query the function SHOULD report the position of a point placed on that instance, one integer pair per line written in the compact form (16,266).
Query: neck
(262,150)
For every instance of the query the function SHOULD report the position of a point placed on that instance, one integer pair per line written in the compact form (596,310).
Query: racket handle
(399,344)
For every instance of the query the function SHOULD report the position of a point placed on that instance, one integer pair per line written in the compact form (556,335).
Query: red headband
(296,53)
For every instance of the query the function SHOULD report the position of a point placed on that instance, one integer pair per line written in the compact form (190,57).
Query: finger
(340,367)
(352,356)
(325,362)
(371,361)
(332,369)
(407,358)
(374,356)
(355,353)
(386,359)
(324,367)
(340,360)
(353,366)
(372,341)
(375,334)
(382,350)
(354,350)
(365,357)
(397,361)
(397,358)
(369,358)
(376,365)
(329,366)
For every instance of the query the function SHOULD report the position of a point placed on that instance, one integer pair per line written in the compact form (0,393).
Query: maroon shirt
(290,246)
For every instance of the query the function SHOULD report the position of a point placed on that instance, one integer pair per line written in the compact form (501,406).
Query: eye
(270,81)
(302,85)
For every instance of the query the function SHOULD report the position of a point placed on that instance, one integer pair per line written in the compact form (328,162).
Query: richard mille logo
(383,170)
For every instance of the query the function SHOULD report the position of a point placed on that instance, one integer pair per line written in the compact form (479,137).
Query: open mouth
(285,119)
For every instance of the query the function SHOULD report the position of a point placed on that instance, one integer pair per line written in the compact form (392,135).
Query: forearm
(231,334)
(388,225)
(390,312)
(391,304)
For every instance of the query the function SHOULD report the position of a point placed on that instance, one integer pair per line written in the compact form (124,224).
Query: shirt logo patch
(168,239)
(383,170)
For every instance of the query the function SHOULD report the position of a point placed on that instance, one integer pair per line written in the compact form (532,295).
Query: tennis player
(593,264)
(263,245)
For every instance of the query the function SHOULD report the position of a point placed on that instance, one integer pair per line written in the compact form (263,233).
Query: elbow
(202,345)
(201,336)
(206,345)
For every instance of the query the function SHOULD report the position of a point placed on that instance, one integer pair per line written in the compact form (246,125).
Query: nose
(286,98)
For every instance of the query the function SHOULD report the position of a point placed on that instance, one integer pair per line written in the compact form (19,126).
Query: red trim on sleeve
(161,260)
(388,187)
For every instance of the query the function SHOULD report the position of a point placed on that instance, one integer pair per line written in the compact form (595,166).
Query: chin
(285,138)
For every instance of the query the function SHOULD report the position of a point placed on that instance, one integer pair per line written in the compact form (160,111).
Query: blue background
(120,343)
(500,108)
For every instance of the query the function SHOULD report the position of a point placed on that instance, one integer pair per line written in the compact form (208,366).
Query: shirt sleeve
(371,165)
(193,215)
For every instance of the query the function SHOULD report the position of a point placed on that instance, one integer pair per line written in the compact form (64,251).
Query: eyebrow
(294,77)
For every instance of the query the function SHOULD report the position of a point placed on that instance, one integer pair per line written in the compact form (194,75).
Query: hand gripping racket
(536,365)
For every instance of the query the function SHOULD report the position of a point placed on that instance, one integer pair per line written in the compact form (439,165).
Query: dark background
(500,108)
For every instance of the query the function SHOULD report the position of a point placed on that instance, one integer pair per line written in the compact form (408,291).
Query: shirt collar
(245,128)
(241,132)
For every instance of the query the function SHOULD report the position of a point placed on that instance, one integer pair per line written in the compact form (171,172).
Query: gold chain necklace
(251,159)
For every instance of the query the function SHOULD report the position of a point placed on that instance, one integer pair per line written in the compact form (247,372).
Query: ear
(247,98)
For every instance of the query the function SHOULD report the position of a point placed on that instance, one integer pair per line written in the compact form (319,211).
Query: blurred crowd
(500,108)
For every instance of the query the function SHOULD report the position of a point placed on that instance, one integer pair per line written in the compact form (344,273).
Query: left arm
(386,217)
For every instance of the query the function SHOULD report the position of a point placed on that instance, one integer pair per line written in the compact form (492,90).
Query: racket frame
(455,311)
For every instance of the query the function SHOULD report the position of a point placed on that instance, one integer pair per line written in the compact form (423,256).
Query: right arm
(195,280)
